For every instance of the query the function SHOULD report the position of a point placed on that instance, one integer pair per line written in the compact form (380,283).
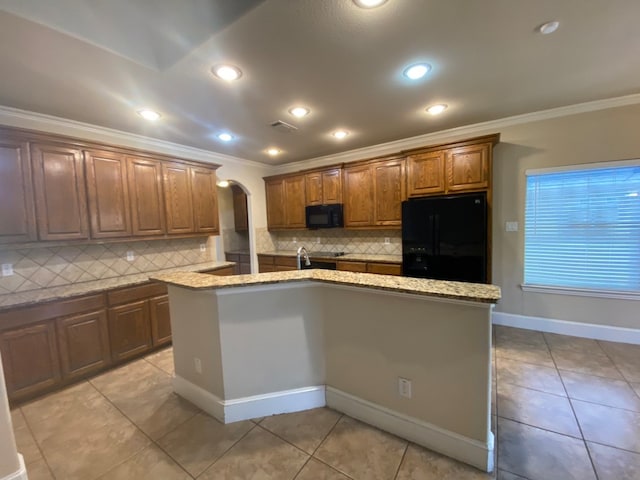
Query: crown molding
(14,117)
(457,133)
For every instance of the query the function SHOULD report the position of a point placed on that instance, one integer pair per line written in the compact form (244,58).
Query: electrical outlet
(387,240)
(7,269)
(203,247)
(295,240)
(511,226)
(130,256)
(404,387)
(197,364)
(317,239)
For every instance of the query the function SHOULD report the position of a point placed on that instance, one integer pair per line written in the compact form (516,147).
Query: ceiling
(99,62)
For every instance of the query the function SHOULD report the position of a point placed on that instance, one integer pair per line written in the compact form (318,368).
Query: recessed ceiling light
(225,137)
(549,27)
(369,3)
(227,72)
(273,151)
(149,114)
(340,134)
(417,71)
(437,109)
(223,183)
(299,111)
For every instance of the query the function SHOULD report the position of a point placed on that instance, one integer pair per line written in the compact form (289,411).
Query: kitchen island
(247,346)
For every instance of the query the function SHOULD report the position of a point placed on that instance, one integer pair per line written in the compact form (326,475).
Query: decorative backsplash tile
(264,240)
(43,267)
(233,240)
(340,240)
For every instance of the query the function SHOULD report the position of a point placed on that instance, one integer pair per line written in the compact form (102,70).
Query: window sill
(581,292)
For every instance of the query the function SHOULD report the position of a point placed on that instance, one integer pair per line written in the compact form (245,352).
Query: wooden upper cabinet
(178,199)
(146,196)
(61,200)
(425,173)
(108,193)
(17,213)
(274,189)
(285,202)
(240,215)
(323,188)
(468,167)
(389,192)
(313,188)
(294,194)
(358,196)
(205,200)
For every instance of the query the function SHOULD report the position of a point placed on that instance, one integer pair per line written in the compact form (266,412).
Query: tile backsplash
(43,267)
(340,240)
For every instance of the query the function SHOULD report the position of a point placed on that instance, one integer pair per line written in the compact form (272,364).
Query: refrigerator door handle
(436,234)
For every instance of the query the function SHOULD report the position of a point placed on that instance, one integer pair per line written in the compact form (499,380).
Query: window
(582,228)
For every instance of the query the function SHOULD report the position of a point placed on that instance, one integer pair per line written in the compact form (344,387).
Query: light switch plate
(203,247)
(7,269)
(511,226)
(130,256)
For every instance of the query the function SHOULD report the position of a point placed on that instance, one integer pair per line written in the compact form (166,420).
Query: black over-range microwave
(324,216)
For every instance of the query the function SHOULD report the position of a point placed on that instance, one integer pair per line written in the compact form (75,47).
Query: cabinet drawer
(286,262)
(131,294)
(266,259)
(384,268)
(352,266)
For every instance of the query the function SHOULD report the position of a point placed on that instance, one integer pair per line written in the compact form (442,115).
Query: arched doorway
(235,225)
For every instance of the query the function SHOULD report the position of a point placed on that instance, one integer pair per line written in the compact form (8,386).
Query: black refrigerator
(445,237)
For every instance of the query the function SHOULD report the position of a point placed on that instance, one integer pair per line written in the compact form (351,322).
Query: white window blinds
(582,229)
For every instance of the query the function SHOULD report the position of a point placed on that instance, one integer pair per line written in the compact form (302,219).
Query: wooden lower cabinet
(30,359)
(160,320)
(129,329)
(84,343)
(370,267)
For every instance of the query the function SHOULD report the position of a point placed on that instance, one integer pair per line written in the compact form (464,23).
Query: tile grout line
(624,377)
(46,462)
(584,441)
(404,454)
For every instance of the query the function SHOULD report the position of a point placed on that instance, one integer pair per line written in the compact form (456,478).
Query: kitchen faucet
(303,252)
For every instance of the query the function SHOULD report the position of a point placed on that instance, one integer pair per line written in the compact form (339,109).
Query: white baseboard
(565,327)
(20,474)
(448,443)
(207,401)
(285,401)
(246,408)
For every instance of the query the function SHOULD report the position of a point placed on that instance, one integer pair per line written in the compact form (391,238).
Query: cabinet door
(384,268)
(294,202)
(389,192)
(347,266)
(178,199)
(205,200)
(240,214)
(84,343)
(147,201)
(108,193)
(313,188)
(17,213)
(30,359)
(468,168)
(358,196)
(129,329)
(332,186)
(160,320)
(426,173)
(274,190)
(61,208)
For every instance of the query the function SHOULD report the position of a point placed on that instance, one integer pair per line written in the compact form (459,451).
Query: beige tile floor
(566,408)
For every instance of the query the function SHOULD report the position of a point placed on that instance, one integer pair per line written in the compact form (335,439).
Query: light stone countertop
(474,292)
(21,299)
(354,257)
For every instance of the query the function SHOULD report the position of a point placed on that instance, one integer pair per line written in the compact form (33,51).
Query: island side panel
(271,338)
(196,335)
(373,337)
